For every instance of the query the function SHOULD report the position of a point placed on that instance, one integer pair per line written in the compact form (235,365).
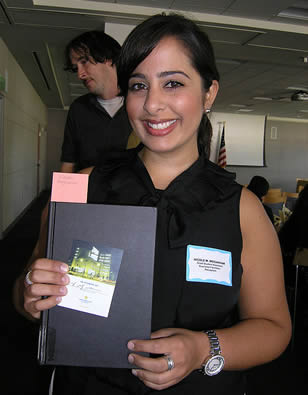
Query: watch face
(214,365)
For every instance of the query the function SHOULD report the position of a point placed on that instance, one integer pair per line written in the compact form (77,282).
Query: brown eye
(173,84)
(137,87)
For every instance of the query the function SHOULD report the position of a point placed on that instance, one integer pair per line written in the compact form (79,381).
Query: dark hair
(93,43)
(302,200)
(145,37)
(259,186)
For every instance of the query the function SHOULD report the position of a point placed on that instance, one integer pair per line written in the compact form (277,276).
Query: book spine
(43,338)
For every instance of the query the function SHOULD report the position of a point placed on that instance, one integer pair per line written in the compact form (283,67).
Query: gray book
(110,250)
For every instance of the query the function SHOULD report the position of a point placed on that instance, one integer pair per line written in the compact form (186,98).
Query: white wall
(286,156)
(24,116)
(55,132)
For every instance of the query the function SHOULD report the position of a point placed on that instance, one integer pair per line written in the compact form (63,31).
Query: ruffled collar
(122,178)
(201,187)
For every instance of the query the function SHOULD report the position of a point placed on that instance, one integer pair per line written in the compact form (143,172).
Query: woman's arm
(48,277)
(38,252)
(264,329)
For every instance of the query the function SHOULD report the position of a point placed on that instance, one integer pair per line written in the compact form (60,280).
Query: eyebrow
(161,74)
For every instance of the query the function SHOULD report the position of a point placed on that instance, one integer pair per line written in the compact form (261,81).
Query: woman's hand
(186,348)
(49,279)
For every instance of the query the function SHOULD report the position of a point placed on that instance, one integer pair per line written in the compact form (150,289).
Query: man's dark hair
(97,44)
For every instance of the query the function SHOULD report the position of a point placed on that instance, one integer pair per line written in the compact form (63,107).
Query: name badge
(208,265)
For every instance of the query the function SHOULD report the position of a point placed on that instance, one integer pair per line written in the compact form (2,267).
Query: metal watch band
(215,362)
(214,342)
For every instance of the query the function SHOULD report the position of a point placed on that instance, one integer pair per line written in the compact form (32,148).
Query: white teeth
(162,125)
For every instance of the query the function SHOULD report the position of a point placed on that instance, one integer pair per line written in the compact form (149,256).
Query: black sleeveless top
(200,208)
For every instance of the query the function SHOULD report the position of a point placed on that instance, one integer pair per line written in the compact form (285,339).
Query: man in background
(97,122)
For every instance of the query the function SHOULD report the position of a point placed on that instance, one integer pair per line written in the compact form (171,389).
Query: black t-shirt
(90,132)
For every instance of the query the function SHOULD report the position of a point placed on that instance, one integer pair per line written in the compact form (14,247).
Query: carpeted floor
(23,376)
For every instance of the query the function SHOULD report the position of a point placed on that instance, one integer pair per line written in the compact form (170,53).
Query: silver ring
(170,362)
(27,278)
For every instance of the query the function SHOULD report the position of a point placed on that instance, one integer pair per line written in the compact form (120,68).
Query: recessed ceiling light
(294,12)
(229,61)
(297,88)
(262,98)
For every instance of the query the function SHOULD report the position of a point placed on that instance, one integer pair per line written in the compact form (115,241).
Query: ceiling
(261,46)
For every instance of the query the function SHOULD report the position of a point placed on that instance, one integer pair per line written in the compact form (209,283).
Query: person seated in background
(260,186)
(231,316)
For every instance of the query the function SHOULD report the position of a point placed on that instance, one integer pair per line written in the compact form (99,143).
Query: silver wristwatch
(215,362)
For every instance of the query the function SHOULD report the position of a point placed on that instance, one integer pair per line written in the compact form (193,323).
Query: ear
(210,95)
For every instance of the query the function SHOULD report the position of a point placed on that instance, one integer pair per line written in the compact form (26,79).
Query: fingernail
(62,290)
(64,279)
(64,268)
(134,372)
(131,345)
(58,299)
(131,358)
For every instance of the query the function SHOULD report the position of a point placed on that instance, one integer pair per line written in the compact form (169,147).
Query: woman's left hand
(186,348)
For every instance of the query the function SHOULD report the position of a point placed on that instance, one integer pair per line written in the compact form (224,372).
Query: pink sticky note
(69,187)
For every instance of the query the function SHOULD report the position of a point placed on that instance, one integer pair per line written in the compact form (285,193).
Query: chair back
(301,182)
(274,191)
(274,198)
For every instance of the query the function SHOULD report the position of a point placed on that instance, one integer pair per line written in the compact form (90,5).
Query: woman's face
(166,99)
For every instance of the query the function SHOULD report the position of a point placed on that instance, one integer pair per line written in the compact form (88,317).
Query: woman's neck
(164,168)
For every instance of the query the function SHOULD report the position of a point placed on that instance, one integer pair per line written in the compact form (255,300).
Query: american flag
(222,156)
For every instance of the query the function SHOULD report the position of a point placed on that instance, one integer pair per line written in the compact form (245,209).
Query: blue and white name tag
(208,265)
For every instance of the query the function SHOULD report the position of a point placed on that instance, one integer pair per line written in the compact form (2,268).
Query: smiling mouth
(161,125)
(158,129)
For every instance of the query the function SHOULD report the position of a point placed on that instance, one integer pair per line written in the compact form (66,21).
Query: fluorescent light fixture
(238,105)
(303,110)
(244,110)
(297,88)
(294,12)
(262,98)
(229,61)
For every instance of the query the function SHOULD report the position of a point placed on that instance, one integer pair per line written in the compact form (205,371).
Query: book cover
(110,253)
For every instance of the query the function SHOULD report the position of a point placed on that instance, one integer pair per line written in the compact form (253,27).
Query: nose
(81,72)
(155,100)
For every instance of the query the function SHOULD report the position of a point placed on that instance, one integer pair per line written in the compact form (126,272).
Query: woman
(168,75)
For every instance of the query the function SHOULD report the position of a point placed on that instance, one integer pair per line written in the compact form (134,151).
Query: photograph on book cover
(93,272)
